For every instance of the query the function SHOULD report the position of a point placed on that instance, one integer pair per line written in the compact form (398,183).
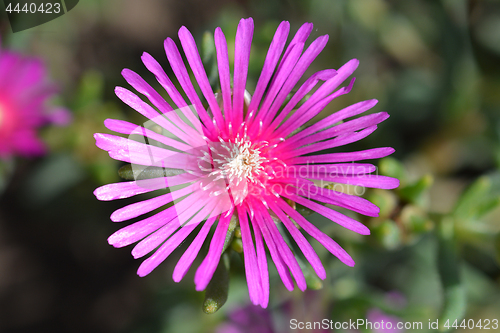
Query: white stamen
(237,161)
(243,161)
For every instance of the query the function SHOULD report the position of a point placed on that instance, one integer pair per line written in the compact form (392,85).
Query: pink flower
(242,157)
(24,91)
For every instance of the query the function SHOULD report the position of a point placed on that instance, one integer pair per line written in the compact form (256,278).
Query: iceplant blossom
(241,156)
(24,92)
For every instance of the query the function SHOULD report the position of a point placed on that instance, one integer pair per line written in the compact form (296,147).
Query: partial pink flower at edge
(24,93)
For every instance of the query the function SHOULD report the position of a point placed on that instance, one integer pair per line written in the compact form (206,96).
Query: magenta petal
(188,257)
(170,244)
(124,127)
(118,191)
(224,72)
(122,148)
(329,86)
(284,250)
(300,37)
(209,265)
(129,189)
(349,126)
(301,241)
(338,141)
(154,240)
(272,57)
(136,103)
(175,60)
(146,206)
(146,110)
(138,230)
(276,85)
(154,67)
(193,57)
(302,65)
(242,45)
(136,81)
(300,94)
(109,142)
(275,253)
(165,250)
(312,112)
(186,212)
(372,181)
(326,241)
(288,127)
(262,264)
(345,157)
(251,267)
(318,171)
(347,112)
(331,214)
(351,202)
(134,152)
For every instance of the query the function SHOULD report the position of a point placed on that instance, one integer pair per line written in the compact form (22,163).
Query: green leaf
(91,89)
(218,288)
(415,219)
(237,245)
(488,205)
(455,302)
(414,193)
(230,231)
(304,211)
(312,280)
(385,200)
(479,234)
(478,199)
(209,58)
(388,234)
(207,47)
(471,197)
(393,168)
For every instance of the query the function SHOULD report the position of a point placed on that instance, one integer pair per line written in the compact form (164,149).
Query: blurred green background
(433,65)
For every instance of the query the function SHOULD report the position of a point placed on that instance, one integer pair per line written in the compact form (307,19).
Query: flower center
(237,161)
(233,168)
(243,161)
